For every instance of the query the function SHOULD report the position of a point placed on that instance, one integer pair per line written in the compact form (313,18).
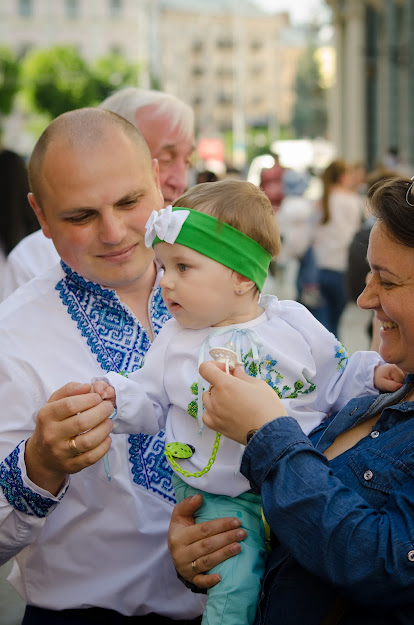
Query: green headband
(213,238)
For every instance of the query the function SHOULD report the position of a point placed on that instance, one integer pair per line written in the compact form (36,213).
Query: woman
(340,503)
(342,210)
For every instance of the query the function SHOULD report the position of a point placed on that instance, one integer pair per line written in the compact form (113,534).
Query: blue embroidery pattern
(120,344)
(342,355)
(266,369)
(18,496)
(149,465)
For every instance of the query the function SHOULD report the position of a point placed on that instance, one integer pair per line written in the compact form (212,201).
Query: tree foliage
(57,80)
(111,72)
(310,110)
(9,79)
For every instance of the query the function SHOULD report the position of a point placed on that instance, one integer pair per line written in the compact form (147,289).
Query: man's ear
(242,284)
(156,170)
(39,214)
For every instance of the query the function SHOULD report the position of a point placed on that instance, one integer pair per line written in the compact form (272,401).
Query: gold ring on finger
(210,389)
(72,446)
(194,567)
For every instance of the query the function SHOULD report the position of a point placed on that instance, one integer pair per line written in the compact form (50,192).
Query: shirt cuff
(21,492)
(268,446)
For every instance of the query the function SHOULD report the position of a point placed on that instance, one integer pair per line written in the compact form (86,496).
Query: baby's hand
(388,378)
(105,390)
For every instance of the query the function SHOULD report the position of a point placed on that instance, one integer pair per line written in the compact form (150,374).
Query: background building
(233,62)
(372,116)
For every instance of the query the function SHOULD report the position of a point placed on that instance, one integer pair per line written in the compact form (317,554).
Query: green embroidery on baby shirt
(267,371)
(192,406)
(342,355)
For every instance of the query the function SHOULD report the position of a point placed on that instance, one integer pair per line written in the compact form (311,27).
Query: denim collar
(359,410)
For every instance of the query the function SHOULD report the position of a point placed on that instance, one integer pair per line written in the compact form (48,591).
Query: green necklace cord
(206,469)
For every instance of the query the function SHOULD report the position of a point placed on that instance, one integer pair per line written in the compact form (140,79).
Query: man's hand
(206,544)
(71,433)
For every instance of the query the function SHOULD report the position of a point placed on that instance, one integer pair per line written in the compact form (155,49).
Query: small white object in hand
(224,355)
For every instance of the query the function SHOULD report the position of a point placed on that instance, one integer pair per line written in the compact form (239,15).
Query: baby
(215,246)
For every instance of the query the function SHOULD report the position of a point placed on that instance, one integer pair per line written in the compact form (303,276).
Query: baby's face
(198,291)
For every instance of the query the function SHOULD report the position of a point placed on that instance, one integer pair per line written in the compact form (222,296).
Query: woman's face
(390,293)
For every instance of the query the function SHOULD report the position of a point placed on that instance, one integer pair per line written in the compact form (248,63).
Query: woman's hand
(237,403)
(206,544)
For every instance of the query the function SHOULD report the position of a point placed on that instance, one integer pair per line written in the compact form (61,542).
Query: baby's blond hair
(239,204)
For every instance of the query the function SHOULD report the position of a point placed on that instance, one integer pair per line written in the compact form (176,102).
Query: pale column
(154,39)
(239,64)
(392,72)
(354,82)
(336,99)
(143,17)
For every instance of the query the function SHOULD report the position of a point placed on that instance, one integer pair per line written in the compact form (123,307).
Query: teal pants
(233,601)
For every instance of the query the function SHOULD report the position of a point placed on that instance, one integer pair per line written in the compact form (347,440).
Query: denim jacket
(343,528)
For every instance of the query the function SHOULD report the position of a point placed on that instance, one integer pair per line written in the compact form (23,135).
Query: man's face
(95,202)
(172,150)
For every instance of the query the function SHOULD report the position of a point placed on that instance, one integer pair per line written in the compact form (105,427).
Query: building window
(25,8)
(72,9)
(115,8)
(224,44)
(256,44)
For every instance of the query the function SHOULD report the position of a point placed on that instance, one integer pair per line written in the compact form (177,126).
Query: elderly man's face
(95,204)
(171,148)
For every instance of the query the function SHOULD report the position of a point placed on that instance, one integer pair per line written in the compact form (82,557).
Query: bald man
(167,124)
(87,527)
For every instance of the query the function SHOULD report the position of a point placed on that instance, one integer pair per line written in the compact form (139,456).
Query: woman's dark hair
(388,203)
(330,177)
(16,216)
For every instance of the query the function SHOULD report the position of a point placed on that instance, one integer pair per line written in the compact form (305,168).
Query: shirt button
(368,475)
(410,556)
(374,434)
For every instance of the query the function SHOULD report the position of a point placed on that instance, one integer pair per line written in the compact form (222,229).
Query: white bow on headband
(165,225)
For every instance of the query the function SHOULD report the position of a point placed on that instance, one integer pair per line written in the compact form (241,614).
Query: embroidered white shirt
(298,357)
(99,543)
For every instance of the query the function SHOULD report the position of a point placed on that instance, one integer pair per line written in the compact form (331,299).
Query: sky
(300,10)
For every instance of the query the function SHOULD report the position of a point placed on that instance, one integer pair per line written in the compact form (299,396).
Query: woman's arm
(325,522)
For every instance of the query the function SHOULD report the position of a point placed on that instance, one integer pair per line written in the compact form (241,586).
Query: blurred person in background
(297,219)
(167,125)
(358,268)
(341,216)
(272,185)
(271,182)
(359,178)
(16,217)
(206,176)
